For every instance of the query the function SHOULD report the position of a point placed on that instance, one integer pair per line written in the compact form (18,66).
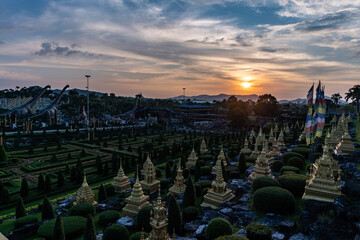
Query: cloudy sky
(159,47)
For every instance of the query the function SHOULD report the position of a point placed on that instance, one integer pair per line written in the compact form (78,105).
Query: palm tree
(354,95)
(335,98)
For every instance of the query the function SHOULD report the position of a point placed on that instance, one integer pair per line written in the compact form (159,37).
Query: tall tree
(102,193)
(47,185)
(267,106)
(354,95)
(41,182)
(335,98)
(197,171)
(59,233)
(60,180)
(242,163)
(174,216)
(24,189)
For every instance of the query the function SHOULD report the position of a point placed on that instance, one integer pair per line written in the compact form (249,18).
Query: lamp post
(88,112)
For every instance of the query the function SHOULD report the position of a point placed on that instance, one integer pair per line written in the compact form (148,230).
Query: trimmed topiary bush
(190,214)
(206,170)
(255,231)
(110,190)
(82,210)
(294,183)
(303,151)
(276,166)
(164,183)
(137,236)
(218,227)
(189,194)
(289,155)
(25,220)
(289,169)
(231,237)
(296,162)
(198,190)
(116,232)
(73,227)
(143,219)
(264,181)
(110,216)
(204,184)
(274,200)
(158,174)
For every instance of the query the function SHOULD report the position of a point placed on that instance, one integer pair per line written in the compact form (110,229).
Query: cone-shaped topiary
(60,180)
(174,216)
(197,171)
(102,193)
(189,194)
(218,227)
(24,189)
(3,155)
(58,229)
(143,219)
(242,163)
(41,182)
(20,208)
(47,185)
(90,233)
(47,211)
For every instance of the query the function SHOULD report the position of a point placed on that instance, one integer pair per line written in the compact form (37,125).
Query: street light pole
(88,112)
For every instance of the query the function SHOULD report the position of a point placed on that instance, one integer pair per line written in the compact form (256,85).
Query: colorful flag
(319,116)
(309,117)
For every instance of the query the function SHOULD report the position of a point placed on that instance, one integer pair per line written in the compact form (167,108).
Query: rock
(209,214)
(243,218)
(277,236)
(352,188)
(226,211)
(61,211)
(326,230)
(239,186)
(299,236)
(342,207)
(249,171)
(180,201)
(241,232)
(306,219)
(200,232)
(287,227)
(245,198)
(99,236)
(316,207)
(184,238)
(357,227)
(226,204)
(241,207)
(126,221)
(192,226)
(271,220)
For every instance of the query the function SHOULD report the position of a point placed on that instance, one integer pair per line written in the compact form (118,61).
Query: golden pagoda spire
(121,182)
(150,182)
(179,186)
(85,194)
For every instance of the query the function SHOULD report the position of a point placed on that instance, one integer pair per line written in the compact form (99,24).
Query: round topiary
(110,216)
(255,231)
(204,184)
(82,210)
(137,236)
(289,169)
(190,214)
(289,155)
(73,227)
(110,190)
(218,227)
(19,222)
(231,237)
(303,151)
(143,219)
(164,183)
(115,232)
(274,200)
(276,166)
(264,181)
(294,183)
(296,162)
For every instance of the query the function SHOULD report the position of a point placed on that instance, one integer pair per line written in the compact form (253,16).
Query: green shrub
(164,183)
(25,220)
(110,190)
(289,168)
(276,166)
(204,184)
(206,170)
(186,173)
(274,200)
(82,210)
(110,216)
(255,231)
(218,227)
(294,183)
(198,190)
(189,194)
(190,214)
(303,151)
(47,211)
(116,232)
(264,181)
(289,155)
(158,174)
(204,191)
(137,236)
(231,237)
(73,227)
(296,162)
(143,219)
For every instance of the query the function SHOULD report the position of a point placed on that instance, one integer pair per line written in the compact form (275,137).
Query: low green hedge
(231,237)
(218,227)
(82,210)
(289,155)
(294,183)
(116,232)
(137,236)
(73,227)
(110,216)
(296,162)
(255,231)
(274,200)
(25,220)
(303,151)
(289,169)
(190,213)
(264,181)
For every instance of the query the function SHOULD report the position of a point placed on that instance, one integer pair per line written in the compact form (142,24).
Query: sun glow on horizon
(246,84)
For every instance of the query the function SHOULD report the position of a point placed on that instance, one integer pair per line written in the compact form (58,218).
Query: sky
(160,47)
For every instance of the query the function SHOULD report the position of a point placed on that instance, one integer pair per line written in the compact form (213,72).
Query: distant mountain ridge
(220,97)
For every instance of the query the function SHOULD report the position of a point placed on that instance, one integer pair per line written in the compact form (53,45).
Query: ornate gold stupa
(222,158)
(256,151)
(203,149)
(158,221)
(321,185)
(85,194)
(345,147)
(287,128)
(246,149)
(179,186)
(260,137)
(136,201)
(280,140)
(218,193)
(192,159)
(121,182)
(261,168)
(149,183)
(271,136)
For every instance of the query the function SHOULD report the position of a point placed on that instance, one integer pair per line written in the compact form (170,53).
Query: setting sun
(246,84)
